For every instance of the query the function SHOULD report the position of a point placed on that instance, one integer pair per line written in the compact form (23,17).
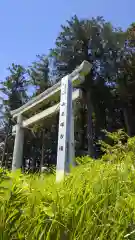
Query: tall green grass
(96,201)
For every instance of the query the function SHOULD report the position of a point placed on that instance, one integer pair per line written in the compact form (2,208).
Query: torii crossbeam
(64,90)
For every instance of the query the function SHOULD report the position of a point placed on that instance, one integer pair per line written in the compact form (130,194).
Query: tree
(41,79)
(14,89)
(125,83)
(39,74)
(98,42)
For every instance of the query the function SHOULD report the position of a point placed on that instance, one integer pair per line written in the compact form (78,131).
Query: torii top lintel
(53,93)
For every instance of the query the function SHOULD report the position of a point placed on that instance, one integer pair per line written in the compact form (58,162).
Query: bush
(96,201)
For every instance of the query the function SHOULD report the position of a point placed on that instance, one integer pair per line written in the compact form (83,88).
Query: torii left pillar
(18,145)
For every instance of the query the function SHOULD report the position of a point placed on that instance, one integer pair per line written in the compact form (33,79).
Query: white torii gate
(64,89)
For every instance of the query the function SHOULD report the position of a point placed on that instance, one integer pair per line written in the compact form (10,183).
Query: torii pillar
(18,145)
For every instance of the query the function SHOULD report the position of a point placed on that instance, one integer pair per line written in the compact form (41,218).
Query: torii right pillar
(66,151)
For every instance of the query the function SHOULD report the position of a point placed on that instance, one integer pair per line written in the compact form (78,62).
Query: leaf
(48,211)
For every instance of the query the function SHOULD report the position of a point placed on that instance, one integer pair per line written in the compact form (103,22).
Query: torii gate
(64,89)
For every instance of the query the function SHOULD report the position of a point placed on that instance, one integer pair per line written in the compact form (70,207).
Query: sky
(30,27)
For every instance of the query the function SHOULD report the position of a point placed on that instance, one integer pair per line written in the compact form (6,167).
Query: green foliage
(96,201)
(14,94)
(39,74)
(14,87)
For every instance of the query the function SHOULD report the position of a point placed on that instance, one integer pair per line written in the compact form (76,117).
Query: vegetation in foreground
(97,200)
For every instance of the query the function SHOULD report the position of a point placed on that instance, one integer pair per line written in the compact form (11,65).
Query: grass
(96,201)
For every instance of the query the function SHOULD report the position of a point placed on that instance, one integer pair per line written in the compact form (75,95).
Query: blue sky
(30,27)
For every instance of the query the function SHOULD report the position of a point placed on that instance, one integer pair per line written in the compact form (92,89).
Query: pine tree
(14,90)
(97,42)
